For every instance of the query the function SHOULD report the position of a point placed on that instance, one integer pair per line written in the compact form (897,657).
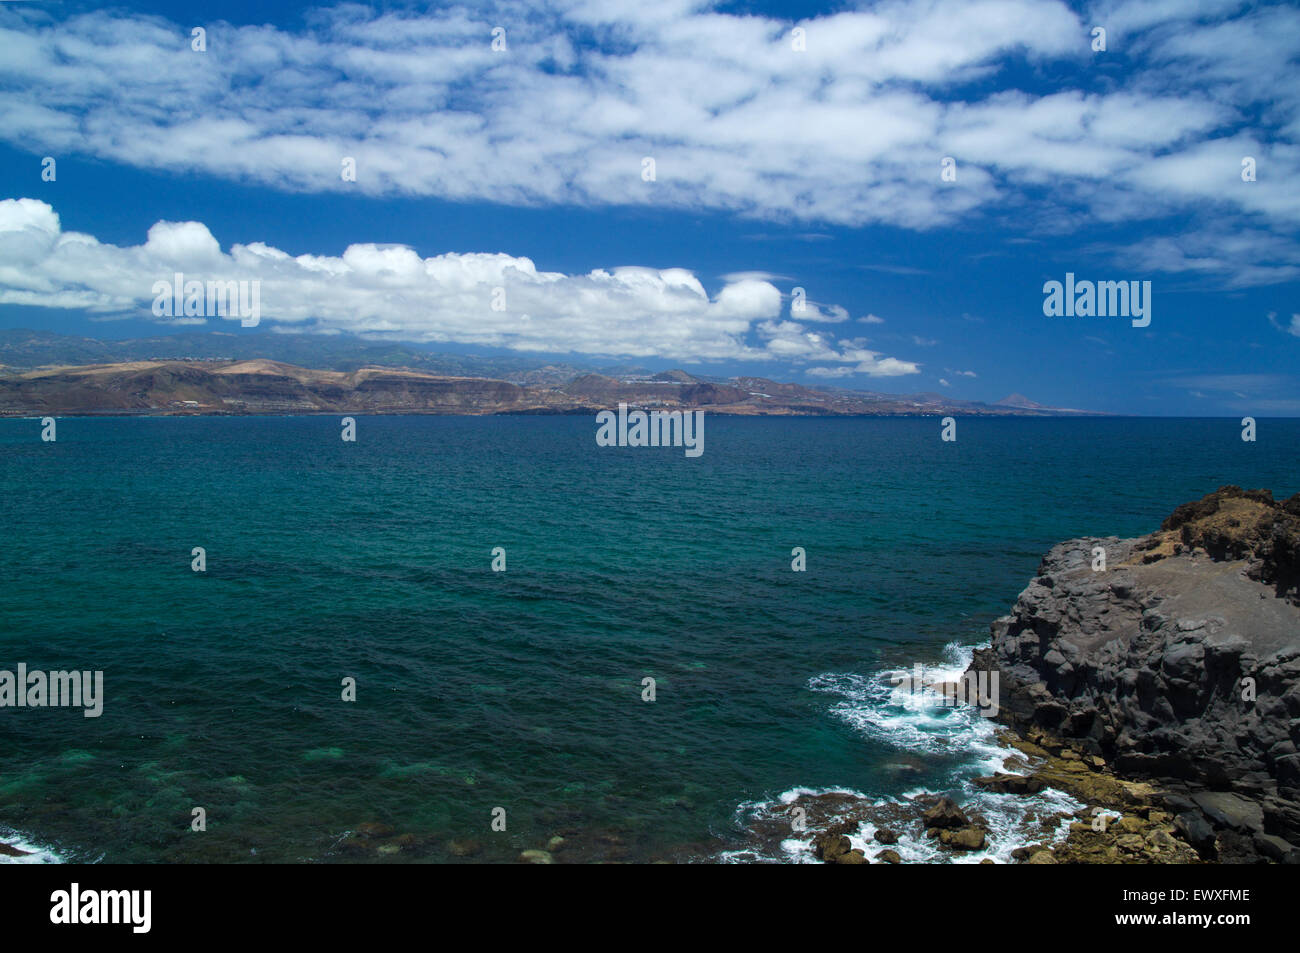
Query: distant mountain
(214,372)
(29,349)
(1021,402)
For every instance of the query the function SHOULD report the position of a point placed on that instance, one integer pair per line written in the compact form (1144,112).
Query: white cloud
(1293,328)
(391,291)
(1240,258)
(848,132)
(819,313)
(871,364)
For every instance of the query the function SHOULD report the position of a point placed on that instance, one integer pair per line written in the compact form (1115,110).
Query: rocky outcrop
(833,846)
(948,823)
(1175,658)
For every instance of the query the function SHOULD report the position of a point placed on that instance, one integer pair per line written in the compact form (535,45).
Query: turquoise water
(519,689)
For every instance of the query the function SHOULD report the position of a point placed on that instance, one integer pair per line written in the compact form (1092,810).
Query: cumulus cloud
(848,131)
(390,291)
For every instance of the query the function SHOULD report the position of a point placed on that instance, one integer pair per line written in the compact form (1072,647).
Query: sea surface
(523,689)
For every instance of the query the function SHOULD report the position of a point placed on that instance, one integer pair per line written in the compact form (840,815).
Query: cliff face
(1179,662)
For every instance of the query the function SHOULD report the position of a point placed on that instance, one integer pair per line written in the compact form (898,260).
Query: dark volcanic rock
(1179,662)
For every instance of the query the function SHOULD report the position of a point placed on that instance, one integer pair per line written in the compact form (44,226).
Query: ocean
(518,695)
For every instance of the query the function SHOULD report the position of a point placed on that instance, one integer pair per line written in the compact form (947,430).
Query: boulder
(966,838)
(945,814)
(828,846)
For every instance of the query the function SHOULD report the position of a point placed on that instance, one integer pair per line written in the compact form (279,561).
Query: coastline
(1159,689)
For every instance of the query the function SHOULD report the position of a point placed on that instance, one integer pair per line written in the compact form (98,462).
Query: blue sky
(775,168)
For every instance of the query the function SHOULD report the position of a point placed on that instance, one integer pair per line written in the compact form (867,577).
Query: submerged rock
(464,847)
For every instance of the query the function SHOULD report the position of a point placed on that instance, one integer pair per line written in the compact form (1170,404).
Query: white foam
(35,853)
(885,707)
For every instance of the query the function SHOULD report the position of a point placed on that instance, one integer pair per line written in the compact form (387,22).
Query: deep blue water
(520,689)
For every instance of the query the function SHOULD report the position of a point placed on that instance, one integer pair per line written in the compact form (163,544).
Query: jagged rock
(886,836)
(889,857)
(945,814)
